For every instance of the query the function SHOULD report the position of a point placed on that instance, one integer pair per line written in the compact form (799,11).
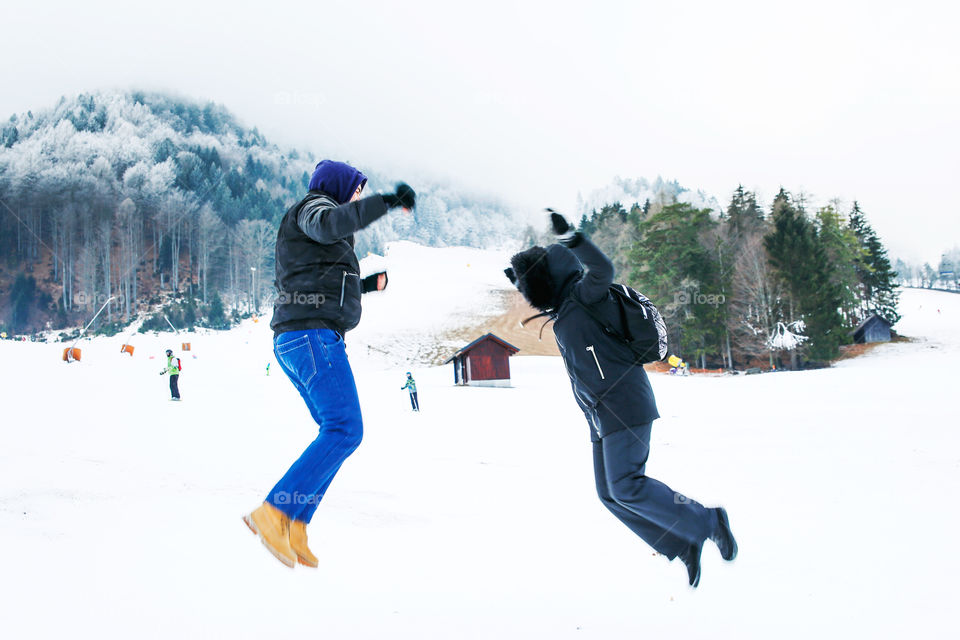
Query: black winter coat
(613,392)
(318,274)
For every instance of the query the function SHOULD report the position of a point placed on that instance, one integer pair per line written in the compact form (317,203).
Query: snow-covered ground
(120,511)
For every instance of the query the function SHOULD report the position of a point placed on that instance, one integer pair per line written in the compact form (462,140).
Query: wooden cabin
(872,329)
(485,362)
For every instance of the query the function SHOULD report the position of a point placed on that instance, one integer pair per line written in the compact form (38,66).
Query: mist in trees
(145,197)
(945,275)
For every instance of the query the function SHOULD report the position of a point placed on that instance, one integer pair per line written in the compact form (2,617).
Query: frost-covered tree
(111,187)
(209,240)
(754,298)
(948,271)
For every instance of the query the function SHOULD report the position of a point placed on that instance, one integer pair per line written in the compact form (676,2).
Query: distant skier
(411,386)
(615,396)
(173,368)
(318,275)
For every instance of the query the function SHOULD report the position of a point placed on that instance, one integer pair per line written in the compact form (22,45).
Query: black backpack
(641,329)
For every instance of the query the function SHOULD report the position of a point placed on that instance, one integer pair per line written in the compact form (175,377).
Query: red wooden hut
(483,363)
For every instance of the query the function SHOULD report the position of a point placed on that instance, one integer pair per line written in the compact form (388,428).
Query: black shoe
(723,537)
(691,558)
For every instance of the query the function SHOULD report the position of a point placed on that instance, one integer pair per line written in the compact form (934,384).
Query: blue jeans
(666,520)
(316,362)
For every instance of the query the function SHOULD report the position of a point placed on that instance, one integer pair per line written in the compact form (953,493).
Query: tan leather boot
(298,542)
(273,527)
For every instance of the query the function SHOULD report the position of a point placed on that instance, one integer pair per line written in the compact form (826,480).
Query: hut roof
(868,320)
(509,347)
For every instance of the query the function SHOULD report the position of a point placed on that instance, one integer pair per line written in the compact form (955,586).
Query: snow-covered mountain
(630,191)
(133,195)
(107,143)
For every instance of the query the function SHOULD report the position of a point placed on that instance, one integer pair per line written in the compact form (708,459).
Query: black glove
(510,275)
(566,234)
(405,197)
(559,223)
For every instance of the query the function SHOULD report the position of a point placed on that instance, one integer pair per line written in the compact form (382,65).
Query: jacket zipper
(594,352)
(343,285)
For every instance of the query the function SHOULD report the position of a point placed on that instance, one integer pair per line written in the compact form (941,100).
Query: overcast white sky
(537,101)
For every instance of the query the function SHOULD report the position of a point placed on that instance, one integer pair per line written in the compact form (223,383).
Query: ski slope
(477,518)
(431,291)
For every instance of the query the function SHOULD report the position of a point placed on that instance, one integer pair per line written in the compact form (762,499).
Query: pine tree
(801,261)
(215,316)
(585,227)
(674,268)
(843,251)
(735,209)
(880,292)
(743,215)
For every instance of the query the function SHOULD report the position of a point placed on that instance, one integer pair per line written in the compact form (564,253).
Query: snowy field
(120,511)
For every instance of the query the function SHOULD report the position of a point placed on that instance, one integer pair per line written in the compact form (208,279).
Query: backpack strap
(623,314)
(603,323)
(550,316)
(523,323)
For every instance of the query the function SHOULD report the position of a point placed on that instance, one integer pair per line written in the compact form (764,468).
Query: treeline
(142,197)
(946,275)
(138,197)
(751,285)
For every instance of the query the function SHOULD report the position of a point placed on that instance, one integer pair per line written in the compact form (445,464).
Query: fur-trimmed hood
(544,276)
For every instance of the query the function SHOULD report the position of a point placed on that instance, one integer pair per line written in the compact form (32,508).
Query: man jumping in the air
(319,301)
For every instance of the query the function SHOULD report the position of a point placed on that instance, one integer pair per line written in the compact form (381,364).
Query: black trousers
(414,403)
(174,389)
(666,520)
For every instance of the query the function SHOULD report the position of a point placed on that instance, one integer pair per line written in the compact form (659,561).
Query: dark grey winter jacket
(318,274)
(613,392)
